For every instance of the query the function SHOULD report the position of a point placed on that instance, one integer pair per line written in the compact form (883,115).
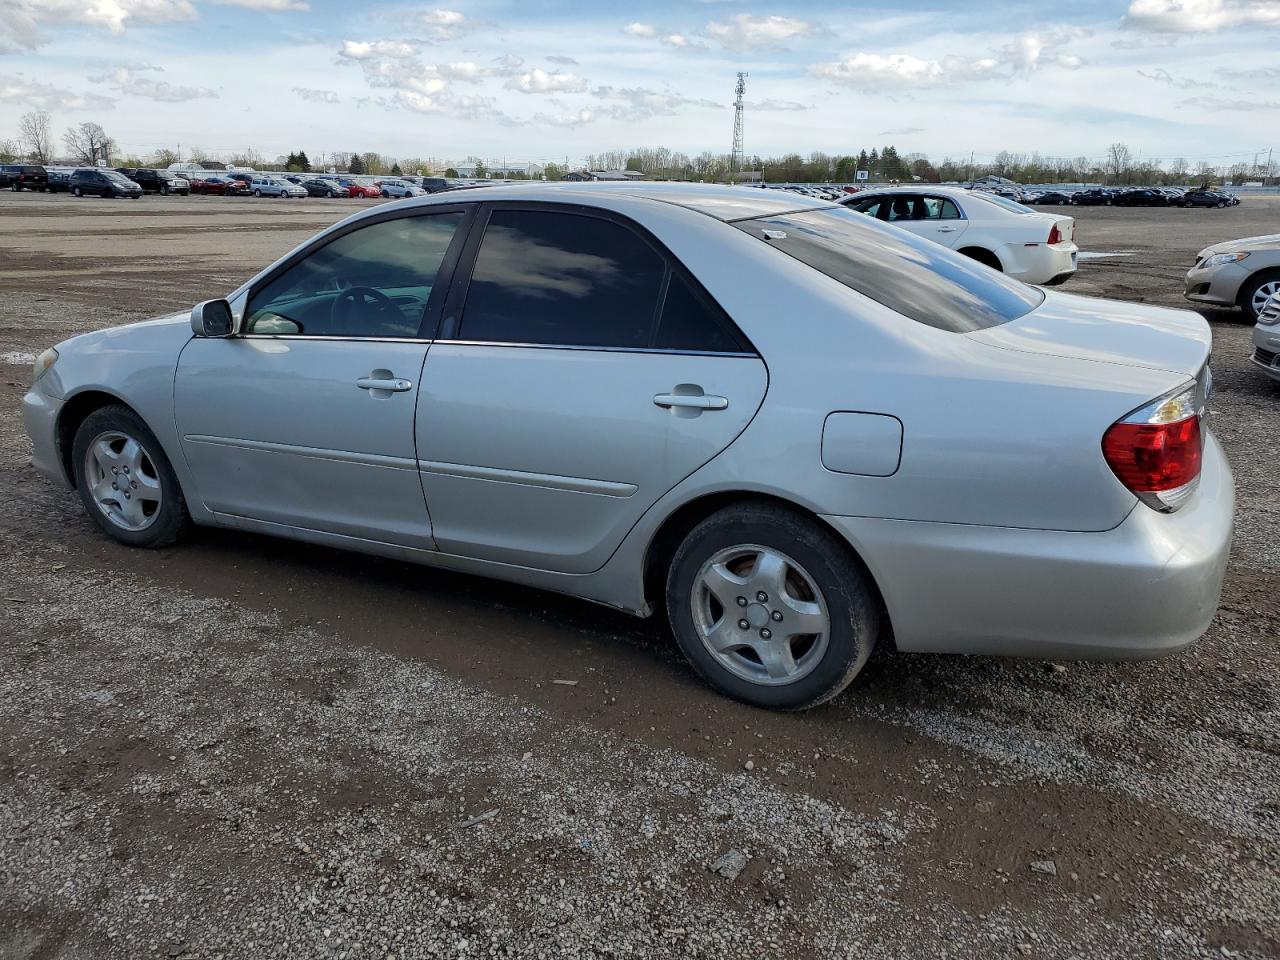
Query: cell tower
(736,159)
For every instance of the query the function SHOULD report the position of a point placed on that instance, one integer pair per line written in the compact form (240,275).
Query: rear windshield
(999,201)
(917,278)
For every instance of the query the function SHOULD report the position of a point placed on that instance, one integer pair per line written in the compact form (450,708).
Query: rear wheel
(770,608)
(983,256)
(1257,291)
(125,481)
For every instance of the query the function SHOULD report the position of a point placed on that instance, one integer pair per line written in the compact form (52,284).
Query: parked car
(1243,273)
(1031,246)
(438,184)
(1140,198)
(926,449)
(1266,338)
(93,181)
(357,189)
(220,186)
(397,188)
(275,187)
(157,181)
(1206,198)
(319,187)
(23,176)
(59,179)
(1053,198)
(1091,198)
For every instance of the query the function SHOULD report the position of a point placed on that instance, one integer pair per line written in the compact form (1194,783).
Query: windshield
(1004,202)
(118,177)
(917,278)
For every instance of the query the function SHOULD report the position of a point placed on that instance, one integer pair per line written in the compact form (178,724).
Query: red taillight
(1156,451)
(1055,235)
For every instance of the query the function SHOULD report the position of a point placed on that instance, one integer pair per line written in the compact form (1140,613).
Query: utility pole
(735,158)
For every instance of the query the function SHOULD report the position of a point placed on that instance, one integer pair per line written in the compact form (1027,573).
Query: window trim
(457,298)
(429,326)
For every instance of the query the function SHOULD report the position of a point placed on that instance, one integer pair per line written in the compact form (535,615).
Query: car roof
(721,201)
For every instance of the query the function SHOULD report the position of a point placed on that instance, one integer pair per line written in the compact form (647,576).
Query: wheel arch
(671,533)
(74,412)
(982,255)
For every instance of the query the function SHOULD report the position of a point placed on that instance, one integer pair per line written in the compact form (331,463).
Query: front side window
(372,282)
(562,279)
(916,277)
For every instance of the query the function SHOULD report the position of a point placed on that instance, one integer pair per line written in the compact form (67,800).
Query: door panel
(546,457)
(279,429)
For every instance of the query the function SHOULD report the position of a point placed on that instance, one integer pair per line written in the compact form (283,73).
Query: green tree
(481,170)
(304,165)
(356,166)
(553,171)
(451,173)
(163,157)
(396,171)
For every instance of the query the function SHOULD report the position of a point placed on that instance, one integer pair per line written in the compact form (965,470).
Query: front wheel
(125,481)
(770,607)
(257,193)
(75,192)
(1220,204)
(1257,291)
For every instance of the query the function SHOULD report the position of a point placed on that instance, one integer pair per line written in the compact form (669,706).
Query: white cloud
(1018,59)
(900,131)
(640,30)
(1217,104)
(538,80)
(125,80)
(570,120)
(463,71)
(682,42)
(276,5)
(779,106)
(376,50)
(21,20)
(1160,75)
(631,104)
(316,96)
(442,24)
(1200,16)
(48,96)
(562,60)
(747,31)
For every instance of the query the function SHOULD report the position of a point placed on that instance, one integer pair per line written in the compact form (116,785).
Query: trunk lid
(1107,331)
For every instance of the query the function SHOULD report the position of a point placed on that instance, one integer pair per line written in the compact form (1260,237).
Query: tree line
(89,144)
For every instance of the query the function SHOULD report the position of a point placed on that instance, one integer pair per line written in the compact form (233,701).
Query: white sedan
(1024,243)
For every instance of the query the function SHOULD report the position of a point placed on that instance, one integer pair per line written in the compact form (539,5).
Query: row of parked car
(133,182)
(1132,197)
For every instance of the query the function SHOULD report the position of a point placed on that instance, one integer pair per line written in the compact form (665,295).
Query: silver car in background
(1239,273)
(399,189)
(797,430)
(275,187)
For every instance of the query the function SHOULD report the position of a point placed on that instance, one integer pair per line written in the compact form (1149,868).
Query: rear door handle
(946,229)
(697,402)
(394,385)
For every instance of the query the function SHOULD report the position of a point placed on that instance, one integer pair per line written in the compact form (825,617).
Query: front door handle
(388,385)
(695,402)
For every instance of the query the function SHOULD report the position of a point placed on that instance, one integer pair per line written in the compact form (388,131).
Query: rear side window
(562,279)
(917,278)
(690,321)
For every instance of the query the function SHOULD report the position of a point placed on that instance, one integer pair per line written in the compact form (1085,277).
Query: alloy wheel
(123,480)
(1263,294)
(760,614)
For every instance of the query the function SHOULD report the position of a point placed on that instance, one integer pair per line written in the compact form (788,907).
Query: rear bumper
(1148,587)
(40,418)
(1041,263)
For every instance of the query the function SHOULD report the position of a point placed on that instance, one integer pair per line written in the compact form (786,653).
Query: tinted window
(918,278)
(690,321)
(372,282)
(562,279)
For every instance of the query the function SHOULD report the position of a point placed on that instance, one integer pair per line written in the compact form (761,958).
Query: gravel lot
(242,747)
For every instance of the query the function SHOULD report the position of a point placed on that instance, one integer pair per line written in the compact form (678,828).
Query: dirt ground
(248,748)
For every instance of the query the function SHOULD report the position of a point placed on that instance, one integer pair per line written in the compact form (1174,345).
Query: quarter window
(373,282)
(691,322)
(562,279)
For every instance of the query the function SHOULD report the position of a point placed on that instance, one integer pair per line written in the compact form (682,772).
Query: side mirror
(212,318)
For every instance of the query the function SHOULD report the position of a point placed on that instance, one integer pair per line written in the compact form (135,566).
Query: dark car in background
(1207,198)
(1092,198)
(1053,198)
(59,179)
(1141,197)
(23,176)
(93,182)
(157,181)
(319,187)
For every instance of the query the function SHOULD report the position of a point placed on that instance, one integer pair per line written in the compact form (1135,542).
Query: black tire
(164,190)
(258,194)
(331,195)
(16,188)
(171,520)
(851,606)
(75,192)
(1220,204)
(1250,287)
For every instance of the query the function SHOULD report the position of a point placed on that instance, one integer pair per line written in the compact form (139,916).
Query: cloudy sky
(554,79)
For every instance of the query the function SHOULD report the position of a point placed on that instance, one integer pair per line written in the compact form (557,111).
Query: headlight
(1222,259)
(44,362)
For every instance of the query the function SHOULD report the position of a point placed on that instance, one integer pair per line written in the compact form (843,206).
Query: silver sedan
(795,430)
